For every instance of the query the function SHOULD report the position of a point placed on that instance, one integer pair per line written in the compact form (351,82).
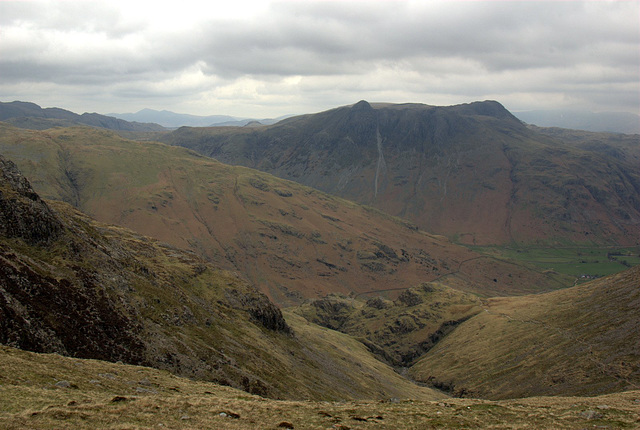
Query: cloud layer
(267,59)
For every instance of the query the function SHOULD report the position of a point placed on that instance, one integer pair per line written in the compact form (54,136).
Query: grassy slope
(109,396)
(289,240)
(578,341)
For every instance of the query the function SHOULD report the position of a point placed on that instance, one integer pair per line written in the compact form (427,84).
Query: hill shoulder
(576,341)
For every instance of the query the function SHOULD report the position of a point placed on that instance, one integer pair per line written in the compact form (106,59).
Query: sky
(264,59)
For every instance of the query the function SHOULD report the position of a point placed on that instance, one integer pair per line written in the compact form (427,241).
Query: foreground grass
(582,263)
(45,391)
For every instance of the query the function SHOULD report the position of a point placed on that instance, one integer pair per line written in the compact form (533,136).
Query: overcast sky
(265,59)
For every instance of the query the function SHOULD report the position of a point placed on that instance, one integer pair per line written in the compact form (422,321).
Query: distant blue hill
(174,120)
(31,116)
(614,122)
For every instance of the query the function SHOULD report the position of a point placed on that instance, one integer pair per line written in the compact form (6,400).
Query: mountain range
(174,120)
(119,252)
(612,122)
(31,116)
(473,172)
(81,288)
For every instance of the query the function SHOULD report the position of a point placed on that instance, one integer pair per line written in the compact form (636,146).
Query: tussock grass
(108,396)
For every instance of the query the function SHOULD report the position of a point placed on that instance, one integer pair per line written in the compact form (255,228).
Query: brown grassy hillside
(291,241)
(579,341)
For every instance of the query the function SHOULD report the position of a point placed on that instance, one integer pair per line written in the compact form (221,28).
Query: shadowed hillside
(289,240)
(472,172)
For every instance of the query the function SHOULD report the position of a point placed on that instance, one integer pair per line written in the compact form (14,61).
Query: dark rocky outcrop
(42,314)
(332,312)
(261,310)
(409,298)
(22,213)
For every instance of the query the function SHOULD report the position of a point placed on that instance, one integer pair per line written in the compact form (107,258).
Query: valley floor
(47,391)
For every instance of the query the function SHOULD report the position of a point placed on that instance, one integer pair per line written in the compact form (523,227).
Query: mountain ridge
(612,122)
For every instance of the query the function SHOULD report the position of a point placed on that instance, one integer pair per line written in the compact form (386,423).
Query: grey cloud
(454,48)
(333,39)
(68,16)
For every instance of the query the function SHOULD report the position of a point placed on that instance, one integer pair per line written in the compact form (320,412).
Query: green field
(583,263)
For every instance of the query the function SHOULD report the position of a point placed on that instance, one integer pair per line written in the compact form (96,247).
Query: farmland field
(583,263)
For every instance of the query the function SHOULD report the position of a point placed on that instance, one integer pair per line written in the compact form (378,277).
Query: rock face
(22,213)
(40,312)
(261,309)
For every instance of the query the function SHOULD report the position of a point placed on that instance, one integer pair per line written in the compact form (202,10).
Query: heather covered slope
(76,287)
(472,172)
(289,240)
(578,341)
